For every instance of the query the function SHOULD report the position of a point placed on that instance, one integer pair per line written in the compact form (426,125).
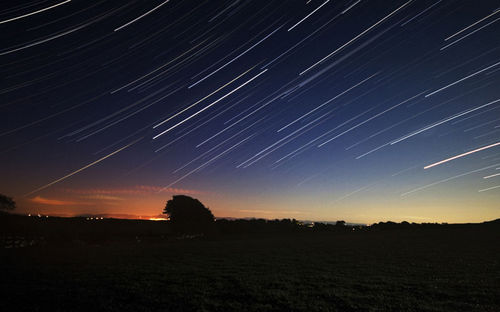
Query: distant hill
(496,221)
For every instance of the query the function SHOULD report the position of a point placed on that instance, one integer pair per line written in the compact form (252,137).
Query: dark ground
(446,268)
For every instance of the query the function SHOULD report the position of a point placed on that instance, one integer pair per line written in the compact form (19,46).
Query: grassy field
(449,269)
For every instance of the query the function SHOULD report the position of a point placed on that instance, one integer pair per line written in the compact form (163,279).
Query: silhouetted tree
(340,223)
(7,203)
(188,215)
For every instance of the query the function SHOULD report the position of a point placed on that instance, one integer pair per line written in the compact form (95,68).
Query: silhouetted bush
(7,203)
(189,216)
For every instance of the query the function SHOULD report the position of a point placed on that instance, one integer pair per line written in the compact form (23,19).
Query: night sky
(316,110)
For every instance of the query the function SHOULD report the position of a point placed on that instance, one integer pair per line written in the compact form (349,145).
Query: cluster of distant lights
(88,218)
(97,218)
(37,215)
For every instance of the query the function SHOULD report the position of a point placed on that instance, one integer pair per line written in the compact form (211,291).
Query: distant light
(157,219)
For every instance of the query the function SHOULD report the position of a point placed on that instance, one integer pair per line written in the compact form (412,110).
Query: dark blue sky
(308,109)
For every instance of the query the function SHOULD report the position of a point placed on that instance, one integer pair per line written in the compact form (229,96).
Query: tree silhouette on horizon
(7,203)
(188,215)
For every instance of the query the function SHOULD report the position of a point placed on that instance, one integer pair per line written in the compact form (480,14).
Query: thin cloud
(54,202)
(102,197)
(133,190)
(272,211)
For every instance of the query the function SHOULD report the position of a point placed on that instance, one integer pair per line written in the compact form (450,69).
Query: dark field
(447,268)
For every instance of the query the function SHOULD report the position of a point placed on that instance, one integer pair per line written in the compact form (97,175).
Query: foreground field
(450,269)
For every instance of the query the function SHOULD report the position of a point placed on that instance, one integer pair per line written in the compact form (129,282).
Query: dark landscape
(249,155)
(76,264)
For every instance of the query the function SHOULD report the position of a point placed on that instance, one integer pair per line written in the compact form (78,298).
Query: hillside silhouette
(90,263)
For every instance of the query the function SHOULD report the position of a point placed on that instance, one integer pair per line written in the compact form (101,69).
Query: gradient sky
(316,110)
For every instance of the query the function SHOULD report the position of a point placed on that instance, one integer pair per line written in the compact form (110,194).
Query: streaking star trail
(353,110)
(81,169)
(461,155)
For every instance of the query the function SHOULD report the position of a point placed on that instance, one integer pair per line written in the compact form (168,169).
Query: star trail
(357,110)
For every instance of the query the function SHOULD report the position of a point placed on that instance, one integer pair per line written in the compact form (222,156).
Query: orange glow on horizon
(144,204)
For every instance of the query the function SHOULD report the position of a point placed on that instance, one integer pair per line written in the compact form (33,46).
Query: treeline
(58,229)
(28,231)
(257,226)
(83,230)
